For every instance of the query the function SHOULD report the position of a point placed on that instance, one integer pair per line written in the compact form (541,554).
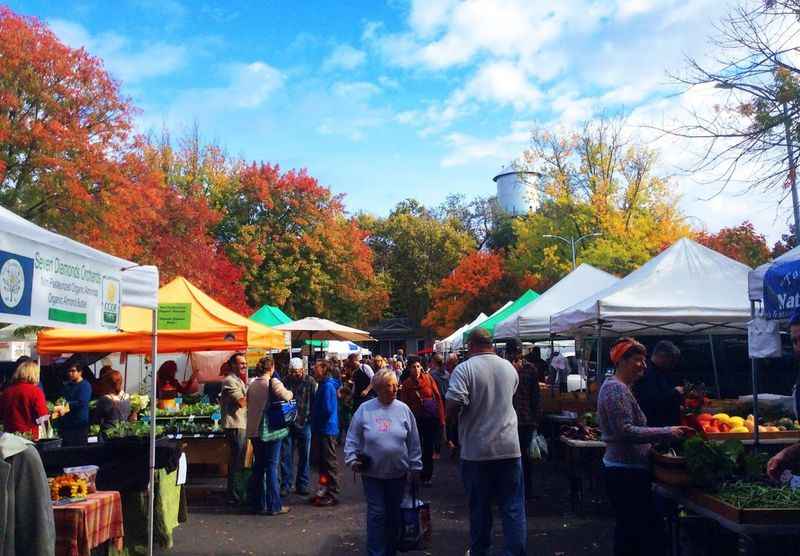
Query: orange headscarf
(620,349)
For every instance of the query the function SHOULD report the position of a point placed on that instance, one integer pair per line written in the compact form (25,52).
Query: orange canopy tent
(189,320)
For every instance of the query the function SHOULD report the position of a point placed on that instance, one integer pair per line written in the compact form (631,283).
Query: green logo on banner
(174,316)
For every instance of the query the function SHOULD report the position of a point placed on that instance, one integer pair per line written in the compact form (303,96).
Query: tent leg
(599,370)
(754,373)
(714,365)
(151,492)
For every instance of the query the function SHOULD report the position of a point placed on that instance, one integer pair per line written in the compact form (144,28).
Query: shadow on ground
(553,528)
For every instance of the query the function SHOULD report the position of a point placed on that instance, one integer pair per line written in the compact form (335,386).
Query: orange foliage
(479,283)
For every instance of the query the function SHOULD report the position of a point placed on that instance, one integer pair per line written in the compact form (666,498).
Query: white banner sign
(42,286)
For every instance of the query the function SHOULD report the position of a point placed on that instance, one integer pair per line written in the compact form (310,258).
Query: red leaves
(478,283)
(741,243)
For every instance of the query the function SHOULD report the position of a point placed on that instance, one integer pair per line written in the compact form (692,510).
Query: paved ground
(553,530)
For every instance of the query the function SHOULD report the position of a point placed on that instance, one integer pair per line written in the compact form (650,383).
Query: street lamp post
(573,242)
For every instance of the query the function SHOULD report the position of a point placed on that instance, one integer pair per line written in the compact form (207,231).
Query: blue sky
(383,100)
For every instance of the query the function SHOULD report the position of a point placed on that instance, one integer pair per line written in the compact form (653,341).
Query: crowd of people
(24,410)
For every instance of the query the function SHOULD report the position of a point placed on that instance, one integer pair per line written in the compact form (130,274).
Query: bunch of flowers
(68,486)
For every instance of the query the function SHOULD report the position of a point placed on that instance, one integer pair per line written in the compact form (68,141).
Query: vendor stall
(51,280)
(726,484)
(448,344)
(688,289)
(504,312)
(532,321)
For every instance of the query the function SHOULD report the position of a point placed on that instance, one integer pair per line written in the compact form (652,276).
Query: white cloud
(344,57)
(123,59)
(464,148)
(248,87)
(503,83)
(356,90)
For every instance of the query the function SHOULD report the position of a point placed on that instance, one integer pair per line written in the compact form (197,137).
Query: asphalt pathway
(553,530)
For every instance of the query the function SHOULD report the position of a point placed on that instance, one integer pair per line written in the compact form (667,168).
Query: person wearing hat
(626,463)
(480,398)
(789,458)
(304,388)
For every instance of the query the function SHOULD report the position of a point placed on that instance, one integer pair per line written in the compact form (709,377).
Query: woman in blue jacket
(324,432)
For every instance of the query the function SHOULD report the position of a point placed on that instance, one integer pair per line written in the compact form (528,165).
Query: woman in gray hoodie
(383,446)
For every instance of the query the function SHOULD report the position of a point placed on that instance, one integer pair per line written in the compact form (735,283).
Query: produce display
(137,429)
(580,432)
(741,494)
(139,402)
(694,396)
(190,427)
(713,463)
(724,423)
(199,409)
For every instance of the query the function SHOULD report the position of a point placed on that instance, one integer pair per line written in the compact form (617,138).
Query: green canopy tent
(504,313)
(271,316)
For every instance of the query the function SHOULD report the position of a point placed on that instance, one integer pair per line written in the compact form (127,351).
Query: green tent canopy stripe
(269,315)
(503,314)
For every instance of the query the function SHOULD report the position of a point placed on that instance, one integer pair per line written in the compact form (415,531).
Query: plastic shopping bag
(538,448)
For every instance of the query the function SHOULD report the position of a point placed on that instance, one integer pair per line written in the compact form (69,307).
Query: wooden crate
(748,516)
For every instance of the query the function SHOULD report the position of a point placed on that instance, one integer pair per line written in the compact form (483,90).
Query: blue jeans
(383,514)
(265,492)
(500,480)
(299,440)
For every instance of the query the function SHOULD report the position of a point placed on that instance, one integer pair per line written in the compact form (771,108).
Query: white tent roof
(755,280)
(448,344)
(686,289)
(139,283)
(533,320)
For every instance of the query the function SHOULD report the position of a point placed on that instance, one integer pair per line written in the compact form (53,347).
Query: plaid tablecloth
(82,526)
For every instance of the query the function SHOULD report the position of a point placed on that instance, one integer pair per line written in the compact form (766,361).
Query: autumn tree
(295,245)
(741,243)
(745,135)
(64,128)
(479,283)
(593,181)
(413,251)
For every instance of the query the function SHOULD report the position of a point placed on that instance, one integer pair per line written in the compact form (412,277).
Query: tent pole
(599,358)
(754,372)
(714,365)
(599,351)
(151,492)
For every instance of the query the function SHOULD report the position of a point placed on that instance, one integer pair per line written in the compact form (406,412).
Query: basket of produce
(670,468)
(753,502)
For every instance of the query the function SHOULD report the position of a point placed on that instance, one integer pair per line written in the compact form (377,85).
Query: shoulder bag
(276,418)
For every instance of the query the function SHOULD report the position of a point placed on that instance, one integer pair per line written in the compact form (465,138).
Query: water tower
(516,190)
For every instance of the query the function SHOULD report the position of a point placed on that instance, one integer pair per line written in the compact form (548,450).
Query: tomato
(705,417)
(724,427)
(711,428)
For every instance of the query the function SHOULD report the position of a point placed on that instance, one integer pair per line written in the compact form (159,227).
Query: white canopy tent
(51,280)
(448,344)
(533,320)
(687,289)
(63,264)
